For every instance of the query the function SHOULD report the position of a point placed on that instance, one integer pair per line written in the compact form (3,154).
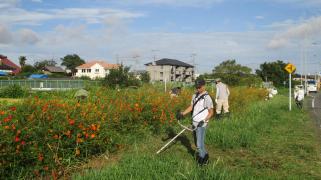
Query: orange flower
(2,112)
(40,157)
(71,122)
(7,127)
(79,140)
(17,139)
(93,127)
(92,136)
(13,108)
(56,136)
(45,108)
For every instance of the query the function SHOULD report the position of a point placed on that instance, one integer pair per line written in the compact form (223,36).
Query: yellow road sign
(290,68)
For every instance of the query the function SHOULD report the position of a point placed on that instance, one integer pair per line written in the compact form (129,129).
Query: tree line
(69,61)
(229,71)
(236,74)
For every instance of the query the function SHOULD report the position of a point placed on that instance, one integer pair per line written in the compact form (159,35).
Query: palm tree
(22,60)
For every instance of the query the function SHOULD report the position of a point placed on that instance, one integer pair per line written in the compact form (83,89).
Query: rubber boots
(203,161)
(217,116)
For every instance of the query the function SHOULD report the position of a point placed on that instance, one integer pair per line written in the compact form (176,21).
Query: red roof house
(5,61)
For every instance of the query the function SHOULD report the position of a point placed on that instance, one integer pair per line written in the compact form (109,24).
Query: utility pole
(305,62)
(136,60)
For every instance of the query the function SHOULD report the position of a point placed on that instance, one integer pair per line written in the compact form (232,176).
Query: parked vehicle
(312,86)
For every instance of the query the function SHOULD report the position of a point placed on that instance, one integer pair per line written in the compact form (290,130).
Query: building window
(97,70)
(83,70)
(88,70)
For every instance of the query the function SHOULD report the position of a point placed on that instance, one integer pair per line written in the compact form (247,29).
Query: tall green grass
(265,141)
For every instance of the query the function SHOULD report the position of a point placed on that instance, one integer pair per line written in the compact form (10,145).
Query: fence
(50,84)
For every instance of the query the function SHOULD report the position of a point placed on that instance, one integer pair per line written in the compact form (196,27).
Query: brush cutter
(200,124)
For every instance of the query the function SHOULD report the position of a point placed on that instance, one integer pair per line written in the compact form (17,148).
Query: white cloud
(277,43)
(301,2)
(27,36)
(179,3)
(5,4)
(309,28)
(90,15)
(5,35)
(259,17)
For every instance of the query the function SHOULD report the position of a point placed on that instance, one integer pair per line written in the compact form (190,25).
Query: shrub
(12,91)
(120,77)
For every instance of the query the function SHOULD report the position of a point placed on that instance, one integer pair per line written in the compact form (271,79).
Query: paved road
(314,106)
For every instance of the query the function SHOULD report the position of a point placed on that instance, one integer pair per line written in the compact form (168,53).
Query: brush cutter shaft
(187,128)
(171,141)
(184,128)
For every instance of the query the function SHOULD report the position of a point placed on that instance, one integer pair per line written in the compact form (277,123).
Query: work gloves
(179,115)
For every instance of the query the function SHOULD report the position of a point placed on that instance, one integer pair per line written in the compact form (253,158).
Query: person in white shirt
(221,100)
(299,97)
(202,110)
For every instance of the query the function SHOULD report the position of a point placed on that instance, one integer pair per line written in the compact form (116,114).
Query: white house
(95,69)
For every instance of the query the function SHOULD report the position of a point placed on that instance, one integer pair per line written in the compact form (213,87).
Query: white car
(312,86)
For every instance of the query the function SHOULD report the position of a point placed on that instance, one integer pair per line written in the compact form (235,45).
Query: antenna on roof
(154,54)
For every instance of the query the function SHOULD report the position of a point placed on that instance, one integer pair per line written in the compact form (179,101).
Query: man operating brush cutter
(202,110)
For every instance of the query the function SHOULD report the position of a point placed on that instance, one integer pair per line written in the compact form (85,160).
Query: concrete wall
(171,73)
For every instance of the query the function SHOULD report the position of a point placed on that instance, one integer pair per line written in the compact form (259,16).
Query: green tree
(72,61)
(28,69)
(273,71)
(145,77)
(120,77)
(22,61)
(41,64)
(231,72)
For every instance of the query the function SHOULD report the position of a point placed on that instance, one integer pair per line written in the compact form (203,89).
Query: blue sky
(250,31)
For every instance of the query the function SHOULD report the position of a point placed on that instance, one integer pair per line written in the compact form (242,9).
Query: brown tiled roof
(102,63)
(54,69)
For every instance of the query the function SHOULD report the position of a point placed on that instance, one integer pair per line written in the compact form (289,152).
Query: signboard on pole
(290,68)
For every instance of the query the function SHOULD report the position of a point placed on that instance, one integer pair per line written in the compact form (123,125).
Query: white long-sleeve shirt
(299,94)
(222,91)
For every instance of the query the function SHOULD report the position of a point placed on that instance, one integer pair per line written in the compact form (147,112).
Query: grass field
(263,142)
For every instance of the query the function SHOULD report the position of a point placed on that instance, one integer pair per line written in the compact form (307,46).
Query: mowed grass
(264,142)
